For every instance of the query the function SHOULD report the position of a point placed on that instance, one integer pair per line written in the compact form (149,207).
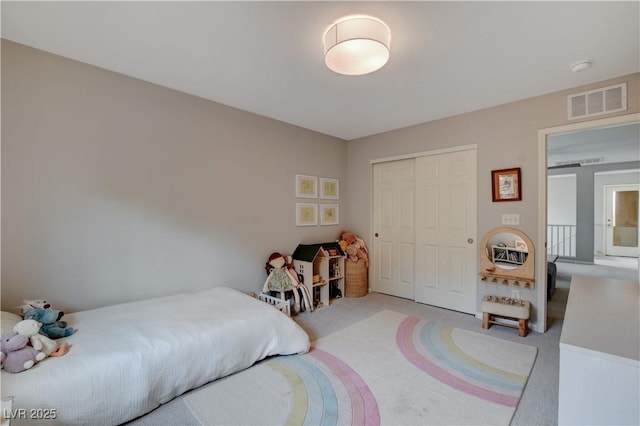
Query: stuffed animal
(16,355)
(354,247)
(30,329)
(348,237)
(363,253)
(352,253)
(52,327)
(33,303)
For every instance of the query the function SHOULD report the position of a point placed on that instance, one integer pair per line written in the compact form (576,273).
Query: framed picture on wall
(329,189)
(306,186)
(329,214)
(506,185)
(306,214)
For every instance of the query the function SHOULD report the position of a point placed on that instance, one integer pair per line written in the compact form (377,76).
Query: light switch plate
(511,219)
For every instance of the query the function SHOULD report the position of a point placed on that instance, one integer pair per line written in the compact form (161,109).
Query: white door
(393,227)
(446,247)
(621,220)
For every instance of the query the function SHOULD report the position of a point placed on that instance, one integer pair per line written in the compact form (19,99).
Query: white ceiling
(616,144)
(447,58)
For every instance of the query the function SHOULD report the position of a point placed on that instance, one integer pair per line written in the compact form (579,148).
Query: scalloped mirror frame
(523,276)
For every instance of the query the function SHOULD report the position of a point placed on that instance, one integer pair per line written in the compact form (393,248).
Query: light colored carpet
(557,305)
(628,271)
(390,368)
(539,403)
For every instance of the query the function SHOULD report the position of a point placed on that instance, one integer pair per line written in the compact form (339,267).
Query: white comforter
(127,359)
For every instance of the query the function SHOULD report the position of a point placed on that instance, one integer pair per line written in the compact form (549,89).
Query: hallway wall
(587,205)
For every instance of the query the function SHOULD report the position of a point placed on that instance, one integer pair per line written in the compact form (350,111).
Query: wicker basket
(355,281)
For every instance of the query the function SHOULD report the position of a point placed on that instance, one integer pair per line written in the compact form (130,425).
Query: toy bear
(354,247)
(52,327)
(352,253)
(348,237)
(16,355)
(31,329)
(362,252)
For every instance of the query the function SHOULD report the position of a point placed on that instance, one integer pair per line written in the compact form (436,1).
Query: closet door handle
(376,235)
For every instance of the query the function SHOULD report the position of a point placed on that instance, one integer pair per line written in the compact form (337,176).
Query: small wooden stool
(506,307)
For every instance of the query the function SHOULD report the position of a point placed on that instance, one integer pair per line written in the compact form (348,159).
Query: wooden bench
(508,308)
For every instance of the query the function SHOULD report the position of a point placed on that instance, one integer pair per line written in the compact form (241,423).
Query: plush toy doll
(348,237)
(52,327)
(30,329)
(363,253)
(280,279)
(34,303)
(352,253)
(16,355)
(354,247)
(283,278)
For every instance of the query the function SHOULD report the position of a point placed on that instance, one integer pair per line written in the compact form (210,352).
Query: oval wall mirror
(507,257)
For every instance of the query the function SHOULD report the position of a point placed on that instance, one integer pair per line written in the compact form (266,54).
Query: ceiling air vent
(578,163)
(595,102)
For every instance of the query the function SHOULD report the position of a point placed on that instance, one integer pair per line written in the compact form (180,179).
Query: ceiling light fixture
(581,65)
(356,45)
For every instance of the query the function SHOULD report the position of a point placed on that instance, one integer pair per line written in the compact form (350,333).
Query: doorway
(621,215)
(543,164)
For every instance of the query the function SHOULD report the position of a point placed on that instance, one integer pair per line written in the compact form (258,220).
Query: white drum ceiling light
(356,45)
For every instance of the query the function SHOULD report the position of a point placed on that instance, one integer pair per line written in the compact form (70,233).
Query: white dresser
(600,353)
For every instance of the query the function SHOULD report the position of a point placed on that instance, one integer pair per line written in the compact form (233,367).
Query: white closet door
(446,228)
(393,226)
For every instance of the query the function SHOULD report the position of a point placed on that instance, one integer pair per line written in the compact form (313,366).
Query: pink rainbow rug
(388,369)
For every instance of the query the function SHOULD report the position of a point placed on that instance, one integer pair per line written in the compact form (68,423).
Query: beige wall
(506,137)
(114,189)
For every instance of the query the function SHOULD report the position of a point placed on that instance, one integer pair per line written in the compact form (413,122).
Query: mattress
(125,360)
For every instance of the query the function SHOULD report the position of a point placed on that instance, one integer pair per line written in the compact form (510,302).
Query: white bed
(125,360)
